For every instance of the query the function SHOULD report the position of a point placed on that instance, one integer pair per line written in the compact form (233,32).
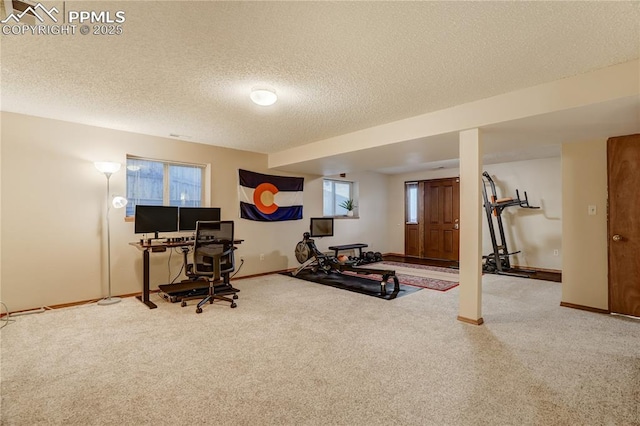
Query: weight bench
(358,246)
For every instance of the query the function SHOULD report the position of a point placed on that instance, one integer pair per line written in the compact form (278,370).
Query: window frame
(205,170)
(407,205)
(352,195)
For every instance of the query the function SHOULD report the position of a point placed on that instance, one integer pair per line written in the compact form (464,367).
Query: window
(334,193)
(163,183)
(411,191)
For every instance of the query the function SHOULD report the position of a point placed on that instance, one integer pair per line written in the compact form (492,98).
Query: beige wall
(564,188)
(584,183)
(370,227)
(536,233)
(53,210)
(52,213)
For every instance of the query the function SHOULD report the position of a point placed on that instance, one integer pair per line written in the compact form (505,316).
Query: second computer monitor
(190,215)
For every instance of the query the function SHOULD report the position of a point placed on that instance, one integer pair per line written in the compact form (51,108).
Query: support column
(470,310)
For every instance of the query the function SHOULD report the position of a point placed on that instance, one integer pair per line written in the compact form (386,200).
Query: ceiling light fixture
(263,97)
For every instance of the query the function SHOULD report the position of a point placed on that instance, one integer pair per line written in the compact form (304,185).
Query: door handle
(456,225)
(617,238)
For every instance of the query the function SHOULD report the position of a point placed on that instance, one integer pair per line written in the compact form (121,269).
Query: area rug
(431,277)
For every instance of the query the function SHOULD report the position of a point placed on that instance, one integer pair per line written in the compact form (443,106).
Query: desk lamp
(108,169)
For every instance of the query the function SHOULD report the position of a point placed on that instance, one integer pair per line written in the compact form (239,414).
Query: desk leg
(144,297)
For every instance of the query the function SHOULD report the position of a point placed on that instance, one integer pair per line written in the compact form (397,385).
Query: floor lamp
(108,169)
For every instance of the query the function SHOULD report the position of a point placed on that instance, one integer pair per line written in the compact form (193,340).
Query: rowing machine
(310,257)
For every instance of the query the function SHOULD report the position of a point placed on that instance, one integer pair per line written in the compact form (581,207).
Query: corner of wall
(584,236)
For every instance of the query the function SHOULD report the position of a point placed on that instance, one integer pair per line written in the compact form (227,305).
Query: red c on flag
(263,197)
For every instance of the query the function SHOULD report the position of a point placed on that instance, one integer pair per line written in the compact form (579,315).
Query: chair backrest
(213,248)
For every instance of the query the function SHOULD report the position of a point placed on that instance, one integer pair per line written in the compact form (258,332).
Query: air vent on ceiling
(175,135)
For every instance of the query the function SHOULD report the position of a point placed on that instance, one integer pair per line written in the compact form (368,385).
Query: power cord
(179,273)
(181,267)
(237,270)
(169,266)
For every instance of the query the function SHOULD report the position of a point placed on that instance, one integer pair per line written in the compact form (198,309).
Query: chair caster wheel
(211,301)
(183,304)
(233,305)
(198,310)
(235,296)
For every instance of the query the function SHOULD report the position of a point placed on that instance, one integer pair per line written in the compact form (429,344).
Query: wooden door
(623,159)
(441,218)
(412,239)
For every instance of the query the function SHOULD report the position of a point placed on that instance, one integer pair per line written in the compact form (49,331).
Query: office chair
(213,261)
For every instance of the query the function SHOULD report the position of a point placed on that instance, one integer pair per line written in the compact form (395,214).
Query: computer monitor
(321,227)
(190,215)
(155,219)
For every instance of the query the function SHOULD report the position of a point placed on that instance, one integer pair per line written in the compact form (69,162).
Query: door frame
(420,226)
(623,298)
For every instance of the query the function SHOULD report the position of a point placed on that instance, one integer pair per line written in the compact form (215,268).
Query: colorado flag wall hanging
(270,198)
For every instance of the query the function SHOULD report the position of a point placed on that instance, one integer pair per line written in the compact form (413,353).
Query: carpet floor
(298,353)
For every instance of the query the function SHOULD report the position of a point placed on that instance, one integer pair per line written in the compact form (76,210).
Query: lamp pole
(108,169)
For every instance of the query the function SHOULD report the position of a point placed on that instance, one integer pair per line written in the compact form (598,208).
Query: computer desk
(159,247)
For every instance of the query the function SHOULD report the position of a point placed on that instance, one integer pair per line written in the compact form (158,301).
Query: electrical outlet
(261,256)
(556,252)
(242,259)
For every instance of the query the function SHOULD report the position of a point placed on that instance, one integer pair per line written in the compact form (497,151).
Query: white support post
(470,310)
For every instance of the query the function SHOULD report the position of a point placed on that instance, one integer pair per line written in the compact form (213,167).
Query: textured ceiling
(186,68)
